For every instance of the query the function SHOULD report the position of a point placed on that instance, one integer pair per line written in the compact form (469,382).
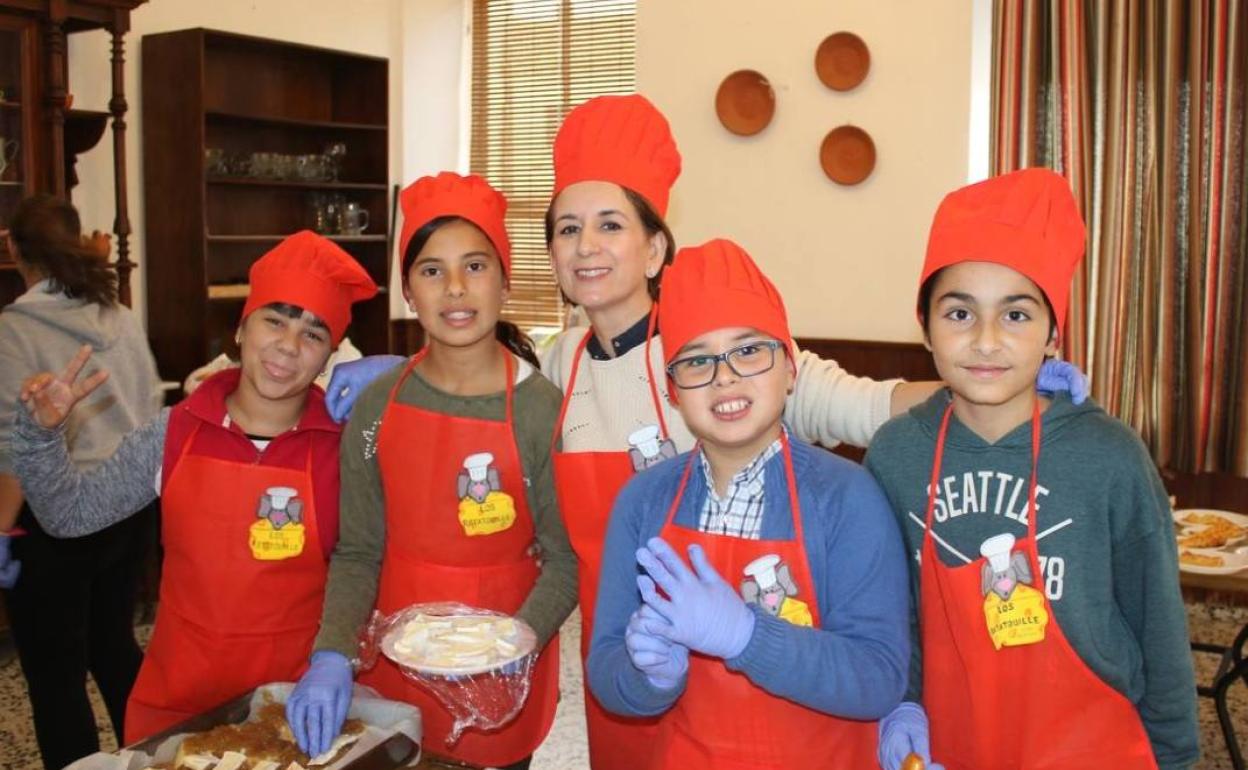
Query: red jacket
(316,430)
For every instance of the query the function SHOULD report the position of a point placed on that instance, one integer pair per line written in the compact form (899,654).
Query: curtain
(1140,104)
(532,61)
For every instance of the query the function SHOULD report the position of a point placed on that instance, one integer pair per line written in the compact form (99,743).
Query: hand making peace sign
(51,397)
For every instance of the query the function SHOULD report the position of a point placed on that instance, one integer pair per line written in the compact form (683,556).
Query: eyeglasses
(748,360)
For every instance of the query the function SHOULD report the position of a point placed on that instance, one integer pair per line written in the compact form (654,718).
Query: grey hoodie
(42,331)
(1109,561)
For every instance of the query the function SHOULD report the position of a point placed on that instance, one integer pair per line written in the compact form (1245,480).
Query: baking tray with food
(1211,542)
(250,733)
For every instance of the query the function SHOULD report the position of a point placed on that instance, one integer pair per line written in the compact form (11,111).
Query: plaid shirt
(740,511)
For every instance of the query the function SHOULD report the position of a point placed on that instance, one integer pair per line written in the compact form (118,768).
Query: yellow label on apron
(271,544)
(796,612)
(496,514)
(1016,621)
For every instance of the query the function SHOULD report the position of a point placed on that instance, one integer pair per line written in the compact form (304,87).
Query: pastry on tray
(262,743)
(457,641)
(1202,518)
(1200,559)
(1217,533)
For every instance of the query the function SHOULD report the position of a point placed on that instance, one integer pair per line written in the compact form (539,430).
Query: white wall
(364,26)
(436,95)
(845,258)
(437,98)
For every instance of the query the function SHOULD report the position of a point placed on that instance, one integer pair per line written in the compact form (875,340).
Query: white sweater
(612,399)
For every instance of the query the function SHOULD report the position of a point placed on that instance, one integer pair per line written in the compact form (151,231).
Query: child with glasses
(753,589)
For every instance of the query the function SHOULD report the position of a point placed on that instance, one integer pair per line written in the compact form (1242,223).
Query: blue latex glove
(9,568)
(664,662)
(904,732)
(704,612)
(349,380)
(318,706)
(1062,376)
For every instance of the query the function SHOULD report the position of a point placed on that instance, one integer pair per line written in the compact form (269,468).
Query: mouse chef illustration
(646,448)
(769,585)
(484,508)
(278,532)
(1013,610)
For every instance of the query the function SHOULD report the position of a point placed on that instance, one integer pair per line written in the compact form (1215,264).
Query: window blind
(532,61)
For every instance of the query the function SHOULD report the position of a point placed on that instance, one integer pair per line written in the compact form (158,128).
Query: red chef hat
(1026,220)
(620,139)
(715,286)
(449,194)
(313,273)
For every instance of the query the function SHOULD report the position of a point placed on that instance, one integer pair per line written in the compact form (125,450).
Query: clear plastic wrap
(477,663)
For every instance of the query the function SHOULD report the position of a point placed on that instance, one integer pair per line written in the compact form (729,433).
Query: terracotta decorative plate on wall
(847,155)
(745,102)
(842,61)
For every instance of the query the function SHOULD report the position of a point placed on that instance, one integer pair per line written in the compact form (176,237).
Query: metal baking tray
(394,752)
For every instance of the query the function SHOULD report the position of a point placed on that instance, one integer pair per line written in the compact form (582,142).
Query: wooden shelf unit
(206,89)
(218,116)
(34,64)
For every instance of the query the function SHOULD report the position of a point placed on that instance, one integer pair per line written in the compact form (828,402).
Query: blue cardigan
(855,666)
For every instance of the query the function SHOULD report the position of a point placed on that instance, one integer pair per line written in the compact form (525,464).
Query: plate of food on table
(1211,542)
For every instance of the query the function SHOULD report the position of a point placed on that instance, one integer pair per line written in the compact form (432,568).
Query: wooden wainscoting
(875,359)
(406,336)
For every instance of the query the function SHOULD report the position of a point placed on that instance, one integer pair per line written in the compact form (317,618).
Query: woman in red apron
(463,429)
(1019,669)
(247,470)
(787,638)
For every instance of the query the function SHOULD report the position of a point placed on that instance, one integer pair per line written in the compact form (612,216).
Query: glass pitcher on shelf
(353,218)
(324,212)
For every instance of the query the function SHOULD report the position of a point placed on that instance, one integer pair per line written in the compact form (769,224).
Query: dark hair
(293,312)
(650,220)
(48,236)
(925,304)
(506,332)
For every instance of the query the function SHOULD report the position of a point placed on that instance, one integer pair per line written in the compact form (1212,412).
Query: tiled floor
(565,748)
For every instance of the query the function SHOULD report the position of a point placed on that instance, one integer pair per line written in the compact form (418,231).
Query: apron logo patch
(646,449)
(278,532)
(769,584)
(484,508)
(1013,611)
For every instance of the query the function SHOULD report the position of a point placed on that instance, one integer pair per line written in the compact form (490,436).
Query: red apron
(233,613)
(1033,706)
(586,484)
(725,721)
(430,557)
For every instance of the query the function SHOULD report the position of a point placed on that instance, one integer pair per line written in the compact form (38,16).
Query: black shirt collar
(630,338)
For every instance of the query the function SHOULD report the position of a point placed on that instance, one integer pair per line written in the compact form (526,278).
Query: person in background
(247,472)
(71,603)
(785,636)
(1050,632)
(450,496)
